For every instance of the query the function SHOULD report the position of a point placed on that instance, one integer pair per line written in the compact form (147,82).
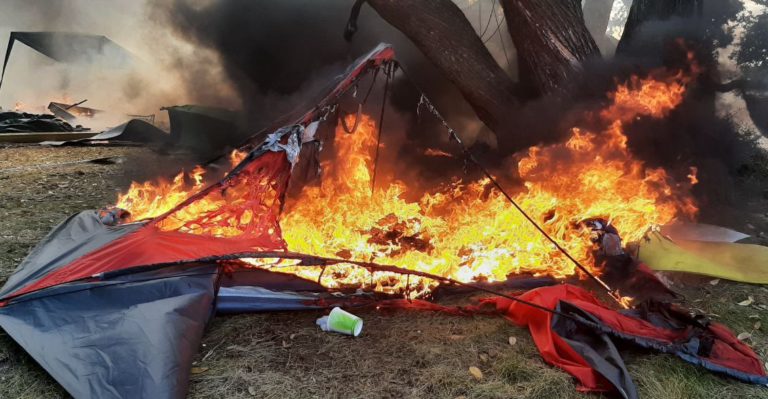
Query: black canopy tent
(68,47)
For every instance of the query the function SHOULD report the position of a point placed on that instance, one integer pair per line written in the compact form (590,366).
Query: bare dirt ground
(401,354)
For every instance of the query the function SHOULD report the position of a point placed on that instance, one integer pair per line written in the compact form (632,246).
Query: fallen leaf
(476,373)
(512,340)
(743,336)
(493,352)
(714,282)
(252,391)
(292,336)
(199,370)
(483,357)
(286,345)
(747,301)
(757,325)
(456,337)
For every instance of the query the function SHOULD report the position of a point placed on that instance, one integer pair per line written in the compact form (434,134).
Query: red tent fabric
(265,178)
(552,347)
(727,353)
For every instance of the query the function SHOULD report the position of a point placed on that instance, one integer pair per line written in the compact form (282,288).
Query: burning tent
(117,309)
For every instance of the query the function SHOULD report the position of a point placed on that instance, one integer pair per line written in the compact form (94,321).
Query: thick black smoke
(280,54)
(694,134)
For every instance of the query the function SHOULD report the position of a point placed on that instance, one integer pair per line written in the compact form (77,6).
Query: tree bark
(551,39)
(441,31)
(646,10)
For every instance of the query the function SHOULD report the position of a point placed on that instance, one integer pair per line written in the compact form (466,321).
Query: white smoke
(159,75)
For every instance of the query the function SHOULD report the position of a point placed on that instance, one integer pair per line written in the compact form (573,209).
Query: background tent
(206,131)
(70,48)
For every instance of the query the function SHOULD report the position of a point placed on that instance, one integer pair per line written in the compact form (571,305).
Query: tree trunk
(550,36)
(441,31)
(646,10)
(551,39)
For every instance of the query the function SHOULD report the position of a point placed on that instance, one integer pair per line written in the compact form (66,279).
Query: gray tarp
(120,338)
(133,131)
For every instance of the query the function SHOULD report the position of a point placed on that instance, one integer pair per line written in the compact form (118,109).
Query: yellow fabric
(739,262)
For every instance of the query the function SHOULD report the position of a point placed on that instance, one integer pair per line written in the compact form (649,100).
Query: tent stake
(388,70)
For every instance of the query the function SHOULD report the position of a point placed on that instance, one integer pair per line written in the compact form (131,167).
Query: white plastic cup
(343,322)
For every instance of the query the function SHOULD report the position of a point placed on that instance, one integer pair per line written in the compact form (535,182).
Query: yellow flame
(468,232)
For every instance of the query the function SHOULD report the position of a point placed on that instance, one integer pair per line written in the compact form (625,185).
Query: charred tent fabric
(118,310)
(70,48)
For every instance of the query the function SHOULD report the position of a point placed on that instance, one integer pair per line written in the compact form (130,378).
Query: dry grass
(284,355)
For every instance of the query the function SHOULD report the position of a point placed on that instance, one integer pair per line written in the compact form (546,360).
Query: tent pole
(388,70)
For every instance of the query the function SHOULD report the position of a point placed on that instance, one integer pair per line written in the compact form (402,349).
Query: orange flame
(468,232)
(692,176)
(434,152)
(150,199)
